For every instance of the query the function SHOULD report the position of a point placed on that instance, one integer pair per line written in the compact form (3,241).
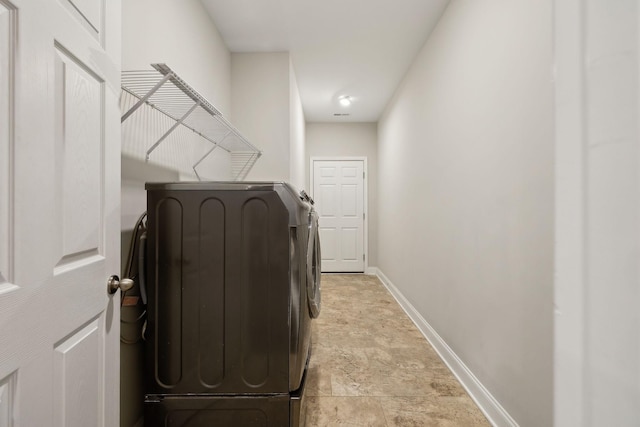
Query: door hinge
(362,215)
(362,257)
(362,175)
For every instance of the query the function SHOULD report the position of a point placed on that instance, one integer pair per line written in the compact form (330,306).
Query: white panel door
(338,190)
(59,212)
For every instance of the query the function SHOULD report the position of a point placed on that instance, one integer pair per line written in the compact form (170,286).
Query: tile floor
(371,366)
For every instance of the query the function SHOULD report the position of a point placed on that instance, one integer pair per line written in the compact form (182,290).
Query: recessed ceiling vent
(341,114)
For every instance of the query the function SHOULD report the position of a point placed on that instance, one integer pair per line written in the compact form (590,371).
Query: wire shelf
(163,90)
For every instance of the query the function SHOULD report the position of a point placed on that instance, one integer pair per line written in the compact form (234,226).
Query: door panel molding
(89,14)
(7,90)
(78,373)
(79,158)
(7,399)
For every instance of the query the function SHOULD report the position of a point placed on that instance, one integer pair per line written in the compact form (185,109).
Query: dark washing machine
(233,281)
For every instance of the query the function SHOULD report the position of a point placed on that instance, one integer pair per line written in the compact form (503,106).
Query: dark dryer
(233,281)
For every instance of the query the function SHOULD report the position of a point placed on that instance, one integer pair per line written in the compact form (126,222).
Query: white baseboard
(372,271)
(494,412)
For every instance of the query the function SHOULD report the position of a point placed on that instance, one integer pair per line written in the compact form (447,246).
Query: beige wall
(297,133)
(465,195)
(349,139)
(260,108)
(180,34)
(266,108)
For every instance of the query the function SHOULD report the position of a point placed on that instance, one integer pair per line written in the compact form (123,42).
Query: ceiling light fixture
(344,100)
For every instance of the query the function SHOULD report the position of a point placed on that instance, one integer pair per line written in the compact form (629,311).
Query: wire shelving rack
(163,90)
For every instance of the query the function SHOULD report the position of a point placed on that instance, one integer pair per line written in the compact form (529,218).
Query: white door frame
(365,191)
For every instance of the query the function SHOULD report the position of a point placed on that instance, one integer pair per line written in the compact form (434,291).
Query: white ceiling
(360,48)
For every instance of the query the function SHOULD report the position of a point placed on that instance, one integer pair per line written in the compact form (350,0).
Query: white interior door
(59,212)
(338,190)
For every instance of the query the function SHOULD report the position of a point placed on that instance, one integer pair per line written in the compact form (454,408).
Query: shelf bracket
(171,129)
(145,98)
(215,145)
(200,161)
